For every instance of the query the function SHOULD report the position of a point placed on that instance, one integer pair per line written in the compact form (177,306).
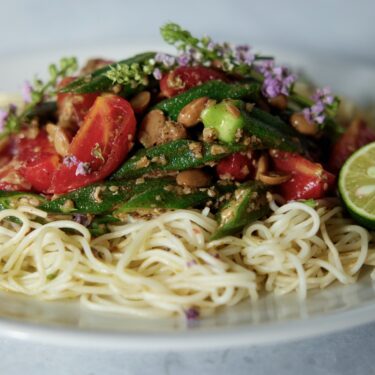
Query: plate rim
(190,339)
(185,339)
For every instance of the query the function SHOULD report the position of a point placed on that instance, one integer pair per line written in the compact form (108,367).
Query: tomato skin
(235,166)
(357,135)
(108,127)
(306,187)
(38,161)
(185,77)
(11,179)
(40,174)
(309,180)
(72,108)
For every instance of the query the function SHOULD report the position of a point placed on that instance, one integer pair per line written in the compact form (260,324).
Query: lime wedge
(357,185)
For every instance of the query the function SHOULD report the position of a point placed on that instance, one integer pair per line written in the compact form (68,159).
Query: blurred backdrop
(324,26)
(332,39)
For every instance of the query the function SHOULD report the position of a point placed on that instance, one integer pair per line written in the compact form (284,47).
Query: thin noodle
(166,265)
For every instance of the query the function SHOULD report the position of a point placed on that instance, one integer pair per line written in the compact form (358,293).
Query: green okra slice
(174,156)
(217,90)
(14,199)
(248,203)
(101,197)
(169,197)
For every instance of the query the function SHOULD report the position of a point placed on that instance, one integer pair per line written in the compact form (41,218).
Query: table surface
(345,353)
(335,27)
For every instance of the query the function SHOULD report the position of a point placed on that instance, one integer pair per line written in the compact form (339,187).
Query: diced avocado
(225,118)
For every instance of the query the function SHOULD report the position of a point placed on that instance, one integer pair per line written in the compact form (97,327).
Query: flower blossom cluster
(192,313)
(229,56)
(277,79)
(26,92)
(323,99)
(6,115)
(3,119)
(82,168)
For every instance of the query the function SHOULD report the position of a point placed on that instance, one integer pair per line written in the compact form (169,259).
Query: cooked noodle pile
(166,265)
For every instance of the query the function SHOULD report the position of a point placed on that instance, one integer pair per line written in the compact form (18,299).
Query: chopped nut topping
(161,160)
(139,181)
(197,149)
(217,150)
(143,162)
(209,135)
(96,194)
(68,205)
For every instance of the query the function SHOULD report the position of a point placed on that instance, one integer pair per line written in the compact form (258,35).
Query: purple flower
(83,169)
(277,79)
(271,87)
(191,263)
(157,74)
(315,113)
(82,219)
(243,55)
(3,119)
(4,115)
(183,59)
(195,55)
(211,46)
(266,67)
(165,59)
(192,313)
(324,95)
(70,160)
(26,91)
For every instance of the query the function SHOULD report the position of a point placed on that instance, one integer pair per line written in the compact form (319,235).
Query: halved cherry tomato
(235,167)
(40,173)
(38,160)
(72,108)
(11,179)
(185,77)
(357,135)
(101,144)
(309,180)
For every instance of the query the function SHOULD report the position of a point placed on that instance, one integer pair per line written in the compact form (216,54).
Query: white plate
(269,320)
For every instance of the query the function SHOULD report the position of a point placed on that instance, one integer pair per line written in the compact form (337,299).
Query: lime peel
(357,185)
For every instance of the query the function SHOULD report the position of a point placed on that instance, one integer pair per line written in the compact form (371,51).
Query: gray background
(342,29)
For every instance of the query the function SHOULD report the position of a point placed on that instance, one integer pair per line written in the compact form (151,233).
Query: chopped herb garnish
(11,121)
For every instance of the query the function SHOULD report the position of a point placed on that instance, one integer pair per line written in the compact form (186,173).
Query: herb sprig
(10,120)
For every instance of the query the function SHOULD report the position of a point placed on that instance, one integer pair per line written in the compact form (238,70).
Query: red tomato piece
(357,135)
(309,180)
(235,167)
(11,179)
(38,161)
(72,108)
(185,77)
(100,145)
(40,173)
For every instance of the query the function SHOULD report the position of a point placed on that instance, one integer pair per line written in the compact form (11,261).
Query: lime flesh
(357,185)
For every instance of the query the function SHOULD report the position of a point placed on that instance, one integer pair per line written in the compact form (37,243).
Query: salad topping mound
(215,125)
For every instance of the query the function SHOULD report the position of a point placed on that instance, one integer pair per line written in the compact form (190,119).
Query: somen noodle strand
(166,265)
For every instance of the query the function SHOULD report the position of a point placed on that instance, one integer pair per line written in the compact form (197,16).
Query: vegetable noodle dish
(178,184)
